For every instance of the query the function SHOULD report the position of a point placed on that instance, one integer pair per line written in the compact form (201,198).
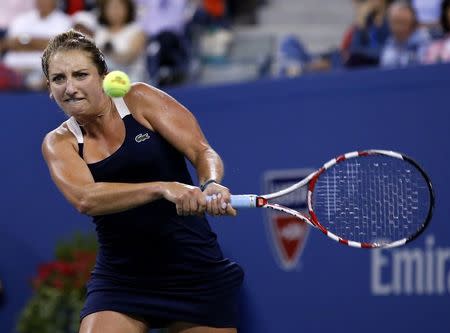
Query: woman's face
(75,83)
(116,12)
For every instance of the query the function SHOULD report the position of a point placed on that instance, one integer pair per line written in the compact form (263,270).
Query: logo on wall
(420,270)
(287,234)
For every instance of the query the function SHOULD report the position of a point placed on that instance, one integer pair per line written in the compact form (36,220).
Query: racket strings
(371,199)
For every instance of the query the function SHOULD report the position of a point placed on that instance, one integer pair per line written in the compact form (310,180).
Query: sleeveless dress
(153,264)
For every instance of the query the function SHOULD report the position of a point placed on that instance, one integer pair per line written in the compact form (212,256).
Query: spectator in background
(293,59)
(243,12)
(408,41)
(215,8)
(369,35)
(163,15)
(71,7)
(210,35)
(10,79)
(9,9)
(427,12)
(439,50)
(212,14)
(165,22)
(121,38)
(346,40)
(85,22)
(28,35)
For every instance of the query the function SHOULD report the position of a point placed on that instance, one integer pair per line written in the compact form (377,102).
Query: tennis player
(122,161)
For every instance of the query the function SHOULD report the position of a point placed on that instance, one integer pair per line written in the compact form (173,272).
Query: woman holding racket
(122,161)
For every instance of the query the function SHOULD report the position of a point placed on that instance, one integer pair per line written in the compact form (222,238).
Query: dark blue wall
(256,128)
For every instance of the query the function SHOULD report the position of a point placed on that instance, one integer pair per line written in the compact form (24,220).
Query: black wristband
(205,184)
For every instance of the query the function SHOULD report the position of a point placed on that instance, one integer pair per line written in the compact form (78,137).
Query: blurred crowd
(165,42)
(152,40)
(384,33)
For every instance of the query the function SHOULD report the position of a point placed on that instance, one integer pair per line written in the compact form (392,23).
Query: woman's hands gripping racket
(367,199)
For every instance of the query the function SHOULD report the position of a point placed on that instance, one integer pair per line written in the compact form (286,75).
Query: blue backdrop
(259,128)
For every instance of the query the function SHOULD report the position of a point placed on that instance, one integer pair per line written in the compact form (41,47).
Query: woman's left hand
(219,200)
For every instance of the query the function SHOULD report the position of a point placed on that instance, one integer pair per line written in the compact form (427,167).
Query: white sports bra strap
(75,129)
(121,106)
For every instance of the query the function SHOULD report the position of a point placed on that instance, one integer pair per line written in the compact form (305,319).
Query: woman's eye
(57,79)
(81,75)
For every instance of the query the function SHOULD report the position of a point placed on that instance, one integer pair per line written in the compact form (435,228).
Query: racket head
(371,199)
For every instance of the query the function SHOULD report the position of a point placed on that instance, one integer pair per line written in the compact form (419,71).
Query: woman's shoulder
(142,93)
(59,136)
(141,96)
(145,101)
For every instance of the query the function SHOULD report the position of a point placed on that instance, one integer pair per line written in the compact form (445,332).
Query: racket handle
(243,201)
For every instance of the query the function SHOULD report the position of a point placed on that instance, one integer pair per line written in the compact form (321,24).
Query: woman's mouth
(73,100)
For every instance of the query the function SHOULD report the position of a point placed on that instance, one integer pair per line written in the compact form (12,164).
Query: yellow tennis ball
(116,84)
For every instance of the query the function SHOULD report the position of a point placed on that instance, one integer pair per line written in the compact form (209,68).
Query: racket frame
(262,201)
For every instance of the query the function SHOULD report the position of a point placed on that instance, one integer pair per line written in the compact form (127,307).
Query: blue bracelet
(205,184)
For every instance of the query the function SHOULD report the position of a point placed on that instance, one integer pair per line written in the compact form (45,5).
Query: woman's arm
(179,127)
(74,179)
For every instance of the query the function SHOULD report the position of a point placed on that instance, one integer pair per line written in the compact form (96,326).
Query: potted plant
(59,288)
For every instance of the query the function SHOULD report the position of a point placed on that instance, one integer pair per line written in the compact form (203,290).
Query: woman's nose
(70,87)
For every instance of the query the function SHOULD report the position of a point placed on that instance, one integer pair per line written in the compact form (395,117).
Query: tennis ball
(116,84)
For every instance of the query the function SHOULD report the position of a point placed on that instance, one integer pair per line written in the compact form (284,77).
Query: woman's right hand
(188,199)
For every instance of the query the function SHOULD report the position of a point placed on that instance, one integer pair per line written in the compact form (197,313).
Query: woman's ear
(48,87)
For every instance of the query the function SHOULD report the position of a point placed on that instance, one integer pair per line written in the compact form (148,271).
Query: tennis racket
(365,199)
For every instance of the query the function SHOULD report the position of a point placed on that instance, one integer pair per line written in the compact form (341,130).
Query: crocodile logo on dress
(142,137)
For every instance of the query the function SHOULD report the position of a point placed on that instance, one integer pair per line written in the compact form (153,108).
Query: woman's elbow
(85,205)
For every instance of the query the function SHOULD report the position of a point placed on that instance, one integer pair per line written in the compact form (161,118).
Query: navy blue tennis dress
(153,264)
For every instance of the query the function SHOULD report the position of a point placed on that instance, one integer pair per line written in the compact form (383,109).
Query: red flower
(65,268)
(58,283)
(44,270)
(69,275)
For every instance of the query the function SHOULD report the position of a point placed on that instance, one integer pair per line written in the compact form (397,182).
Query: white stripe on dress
(121,106)
(74,127)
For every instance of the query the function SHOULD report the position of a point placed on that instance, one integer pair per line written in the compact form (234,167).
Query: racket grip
(243,201)
(240,201)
